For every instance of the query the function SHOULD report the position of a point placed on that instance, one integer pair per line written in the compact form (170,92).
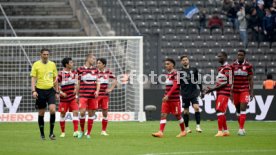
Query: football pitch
(134,138)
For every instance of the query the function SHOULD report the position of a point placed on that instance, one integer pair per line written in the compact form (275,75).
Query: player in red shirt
(223,89)
(242,91)
(104,75)
(67,79)
(171,100)
(87,90)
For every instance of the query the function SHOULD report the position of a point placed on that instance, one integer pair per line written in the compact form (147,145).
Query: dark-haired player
(223,88)
(189,92)
(67,79)
(104,76)
(171,100)
(242,88)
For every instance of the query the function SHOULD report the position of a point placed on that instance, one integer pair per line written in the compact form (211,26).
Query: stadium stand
(167,32)
(178,35)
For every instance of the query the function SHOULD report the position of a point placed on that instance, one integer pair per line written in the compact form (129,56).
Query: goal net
(123,54)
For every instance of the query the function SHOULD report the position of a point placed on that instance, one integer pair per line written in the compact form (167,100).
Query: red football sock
(75,123)
(62,124)
(104,124)
(82,123)
(220,121)
(224,123)
(181,123)
(238,116)
(89,125)
(162,124)
(242,120)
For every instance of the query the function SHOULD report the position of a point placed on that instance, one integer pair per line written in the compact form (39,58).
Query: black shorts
(45,97)
(186,102)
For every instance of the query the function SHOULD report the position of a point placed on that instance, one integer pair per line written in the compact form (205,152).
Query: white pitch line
(212,152)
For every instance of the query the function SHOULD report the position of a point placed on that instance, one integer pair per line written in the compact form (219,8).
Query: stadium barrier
(33,116)
(262,107)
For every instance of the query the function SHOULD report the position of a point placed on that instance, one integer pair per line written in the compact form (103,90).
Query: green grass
(135,138)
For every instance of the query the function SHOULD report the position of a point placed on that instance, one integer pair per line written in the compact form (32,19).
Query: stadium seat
(156,11)
(140,4)
(181,31)
(168,11)
(151,4)
(163,4)
(145,11)
(205,32)
(174,3)
(154,25)
(173,18)
(166,24)
(128,4)
(271,70)
(150,18)
(179,24)
(264,45)
(161,18)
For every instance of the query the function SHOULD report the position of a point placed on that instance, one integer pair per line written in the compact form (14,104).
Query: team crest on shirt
(244,67)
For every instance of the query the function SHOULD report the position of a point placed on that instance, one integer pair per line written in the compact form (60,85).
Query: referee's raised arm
(44,73)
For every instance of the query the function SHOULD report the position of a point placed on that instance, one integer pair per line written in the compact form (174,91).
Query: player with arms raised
(104,75)
(242,88)
(171,100)
(223,88)
(67,79)
(87,90)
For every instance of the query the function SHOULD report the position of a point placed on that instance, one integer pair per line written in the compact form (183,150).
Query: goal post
(123,54)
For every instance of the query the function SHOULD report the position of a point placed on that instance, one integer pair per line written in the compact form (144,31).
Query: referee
(44,73)
(190,92)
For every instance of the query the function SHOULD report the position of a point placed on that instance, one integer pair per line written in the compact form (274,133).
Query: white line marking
(212,152)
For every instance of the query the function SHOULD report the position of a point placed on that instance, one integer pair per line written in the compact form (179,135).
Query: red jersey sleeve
(79,73)
(59,77)
(111,75)
(250,70)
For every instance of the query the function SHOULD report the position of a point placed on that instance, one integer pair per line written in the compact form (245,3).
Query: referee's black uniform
(189,90)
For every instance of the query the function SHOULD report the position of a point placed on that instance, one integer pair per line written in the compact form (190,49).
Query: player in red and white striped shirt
(87,90)
(242,88)
(104,77)
(171,100)
(223,88)
(67,79)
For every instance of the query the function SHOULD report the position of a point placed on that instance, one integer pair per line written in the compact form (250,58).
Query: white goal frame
(141,113)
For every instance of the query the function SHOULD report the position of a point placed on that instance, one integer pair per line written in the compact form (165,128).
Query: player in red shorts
(171,100)
(223,89)
(87,90)
(242,91)
(67,79)
(104,75)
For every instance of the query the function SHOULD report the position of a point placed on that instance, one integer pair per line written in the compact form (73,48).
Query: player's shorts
(186,102)
(171,107)
(222,103)
(103,102)
(70,105)
(88,103)
(45,97)
(241,98)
